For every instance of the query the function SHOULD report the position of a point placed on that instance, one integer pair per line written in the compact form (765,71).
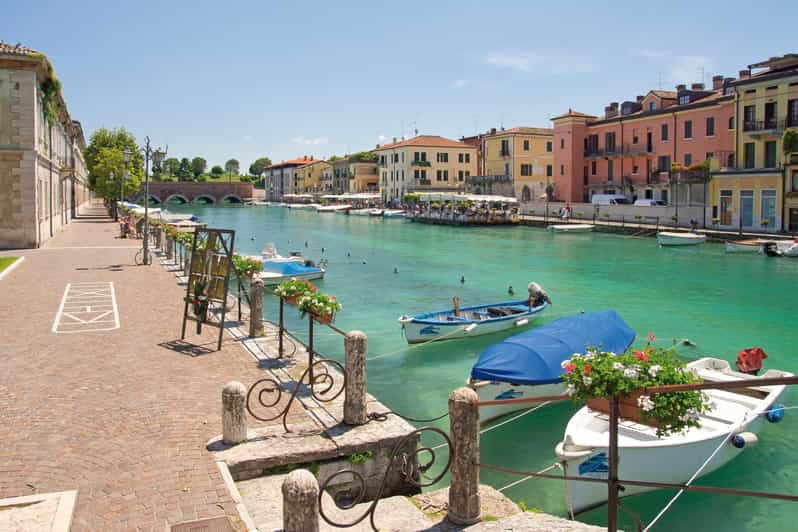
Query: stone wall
(162,190)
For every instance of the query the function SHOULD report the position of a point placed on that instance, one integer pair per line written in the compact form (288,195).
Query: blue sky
(285,79)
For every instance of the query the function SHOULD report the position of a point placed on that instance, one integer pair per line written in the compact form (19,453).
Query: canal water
(721,302)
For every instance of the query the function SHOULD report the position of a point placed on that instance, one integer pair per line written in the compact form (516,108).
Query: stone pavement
(122,416)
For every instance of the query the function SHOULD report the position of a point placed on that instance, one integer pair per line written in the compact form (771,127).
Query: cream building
(524,154)
(43,178)
(423,163)
(356,173)
(279,178)
(308,178)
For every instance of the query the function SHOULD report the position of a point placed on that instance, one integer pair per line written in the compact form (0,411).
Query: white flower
(565,363)
(617,365)
(645,403)
(589,355)
(690,415)
(611,353)
(587,380)
(630,373)
(653,370)
(571,389)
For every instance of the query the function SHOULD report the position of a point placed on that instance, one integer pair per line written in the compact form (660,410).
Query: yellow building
(522,153)
(424,163)
(761,191)
(308,178)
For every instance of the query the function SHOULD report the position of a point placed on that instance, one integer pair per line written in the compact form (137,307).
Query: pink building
(659,146)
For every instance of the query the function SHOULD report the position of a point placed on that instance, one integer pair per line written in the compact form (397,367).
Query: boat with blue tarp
(529,364)
(277,271)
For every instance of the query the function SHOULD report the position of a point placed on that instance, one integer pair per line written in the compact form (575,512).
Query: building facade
(279,179)
(660,146)
(423,163)
(760,191)
(308,177)
(356,173)
(524,154)
(43,177)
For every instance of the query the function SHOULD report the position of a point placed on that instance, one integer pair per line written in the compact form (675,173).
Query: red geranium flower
(587,369)
(651,337)
(642,356)
(569,368)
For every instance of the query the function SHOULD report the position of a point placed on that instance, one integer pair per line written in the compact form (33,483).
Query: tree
(259,166)
(232,166)
(333,158)
(363,156)
(217,171)
(184,171)
(171,166)
(104,158)
(789,142)
(198,166)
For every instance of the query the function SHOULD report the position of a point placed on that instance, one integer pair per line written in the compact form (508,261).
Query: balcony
(505,153)
(658,178)
(770,126)
(424,182)
(690,176)
(638,149)
(615,151)
(792,121)
(420,163)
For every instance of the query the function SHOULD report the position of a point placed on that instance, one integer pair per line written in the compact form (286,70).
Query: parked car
(649,203)
(609,199)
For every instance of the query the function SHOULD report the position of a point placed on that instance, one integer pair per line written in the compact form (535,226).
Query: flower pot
(290,300)
(627,408)
(324,319)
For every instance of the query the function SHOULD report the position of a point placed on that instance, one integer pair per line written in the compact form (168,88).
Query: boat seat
(501,311)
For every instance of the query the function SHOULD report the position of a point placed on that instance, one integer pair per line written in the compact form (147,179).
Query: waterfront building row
(43,177)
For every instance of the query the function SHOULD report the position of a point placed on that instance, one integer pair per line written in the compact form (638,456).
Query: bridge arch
(154,198)
(206,199)
(176,198)
(232,198)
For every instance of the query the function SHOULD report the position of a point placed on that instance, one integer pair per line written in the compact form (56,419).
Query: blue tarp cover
(534,357)
(287,268)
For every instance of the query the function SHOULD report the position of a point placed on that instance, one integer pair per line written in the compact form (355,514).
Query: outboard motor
(771,249)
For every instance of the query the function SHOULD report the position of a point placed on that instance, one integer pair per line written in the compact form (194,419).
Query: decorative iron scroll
(412,468)
(267,393)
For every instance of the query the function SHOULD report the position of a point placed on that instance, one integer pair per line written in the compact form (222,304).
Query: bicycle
(139,258)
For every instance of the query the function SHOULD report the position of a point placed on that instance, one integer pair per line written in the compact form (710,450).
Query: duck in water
(510,290)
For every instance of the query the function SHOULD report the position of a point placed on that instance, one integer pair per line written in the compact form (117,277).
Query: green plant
(715,221)
(246,266)
(675,218)
(294,287)
(489,517)
(598,374)
(50,91)
(526,508)
(789,142)
(359,458)
(318,304)
(199,298)
(765,222)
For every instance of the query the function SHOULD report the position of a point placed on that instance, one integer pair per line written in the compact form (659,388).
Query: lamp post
(116,205)
(157,157)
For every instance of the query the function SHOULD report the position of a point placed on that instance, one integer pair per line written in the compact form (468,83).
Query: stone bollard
(355,412)
(464,430)
(300,502)
(187,262)
(170,248)
(234,413)
(255,308)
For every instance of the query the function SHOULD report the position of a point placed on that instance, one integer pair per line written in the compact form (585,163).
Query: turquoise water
(721,302)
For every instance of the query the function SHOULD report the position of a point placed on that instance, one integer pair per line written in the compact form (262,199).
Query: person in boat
(537,295)
(749,360)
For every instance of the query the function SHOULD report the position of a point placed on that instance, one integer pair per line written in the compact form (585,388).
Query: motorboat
(275,272)
(393,213)
(361,212)
(753,245)
(269,253)
(172,217)
(665,238)
(468,321)
(735,415)
(788,248)
(572,228)
(304,206)
(332,208)
(376,212)
(529,364)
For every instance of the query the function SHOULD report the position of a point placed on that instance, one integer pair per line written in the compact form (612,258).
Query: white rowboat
(755,245)
(665,238)
(572,228)
(674,459)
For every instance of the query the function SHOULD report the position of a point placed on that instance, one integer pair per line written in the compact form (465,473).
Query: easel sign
(209,278)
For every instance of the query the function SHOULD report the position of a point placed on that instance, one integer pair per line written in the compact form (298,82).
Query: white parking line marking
(87,307)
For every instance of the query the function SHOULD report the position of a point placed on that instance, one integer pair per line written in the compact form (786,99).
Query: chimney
(614,105)
(697,87)
(378,146)
(639,98)
(727,80)
(394,140)
(610,111)
(745,74)
(680,87)
(493,131)
(717,82)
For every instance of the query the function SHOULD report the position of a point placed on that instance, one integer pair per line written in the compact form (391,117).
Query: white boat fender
(775,413)
(470,327)
(521,323)
(742,439)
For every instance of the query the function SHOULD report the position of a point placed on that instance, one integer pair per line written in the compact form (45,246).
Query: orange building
(659,146)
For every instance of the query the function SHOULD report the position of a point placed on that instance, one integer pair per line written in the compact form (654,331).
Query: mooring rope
(519,481)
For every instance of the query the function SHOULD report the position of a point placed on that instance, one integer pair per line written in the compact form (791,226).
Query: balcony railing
(615,151)
(638,149)
(792,121)
(505,153)
(420,163)
(771,124)
(424,182)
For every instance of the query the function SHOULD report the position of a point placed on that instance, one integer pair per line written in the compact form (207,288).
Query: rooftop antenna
(659,79)
(702,75)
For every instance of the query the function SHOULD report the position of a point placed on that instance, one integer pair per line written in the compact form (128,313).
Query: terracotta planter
(627,408)
(290,300)
(324,319)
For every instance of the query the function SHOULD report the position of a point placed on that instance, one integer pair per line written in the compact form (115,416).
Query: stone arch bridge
(195,192)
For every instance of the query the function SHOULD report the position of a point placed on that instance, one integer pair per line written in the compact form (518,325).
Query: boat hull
(490,391)
(270,279)
(572,228)
(680,239)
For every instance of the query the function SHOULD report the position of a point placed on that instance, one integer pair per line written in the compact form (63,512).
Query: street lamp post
(157,156)
(116,204)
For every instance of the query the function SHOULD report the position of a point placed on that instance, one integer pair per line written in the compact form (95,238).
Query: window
(415,174)
(749,117)
(468,157)
(610,170)
(792,113)
(459,175)
(795,180)
(526,145)
(609,142)
(562,144)
(442,157)
(592,167)
(749,159)
(396,157)
(423,175)
(562,169)
(460,157)
(403,156)
(468,173)
(446,175)
(664,163)
(635,170)
(548,144)
(505,150)
(664,132)
(768,207)
(688,159)
(635,139)
(549,170)
(731,122)
(770,154)
(710,155)
(710,127)
(684,99)
(526,169)
(688,129)
(652,106)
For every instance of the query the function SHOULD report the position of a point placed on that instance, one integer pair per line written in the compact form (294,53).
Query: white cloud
(309,141)
(247,138)
(542,62)
(649,53)
(381,138)
(458,84)
(689,68)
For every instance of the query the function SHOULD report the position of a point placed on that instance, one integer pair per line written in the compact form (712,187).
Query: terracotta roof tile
(302,161)
(427,141)
(17,49)
(524,130)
